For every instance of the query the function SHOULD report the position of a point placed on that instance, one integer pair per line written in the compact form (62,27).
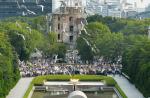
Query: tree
(8,66)
(55,48)
(135,61)
(24,39)
(125,26)
(52,37)
(84,50)
(131,45)
(110,47)
(87,41)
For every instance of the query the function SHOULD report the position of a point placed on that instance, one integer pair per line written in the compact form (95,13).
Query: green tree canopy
(9,73)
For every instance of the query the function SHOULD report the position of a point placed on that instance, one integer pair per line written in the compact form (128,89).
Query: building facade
(113,8)
(10,8)
(104,7)
(68,21)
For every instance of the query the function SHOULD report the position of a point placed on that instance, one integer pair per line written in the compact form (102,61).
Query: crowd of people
(44,67)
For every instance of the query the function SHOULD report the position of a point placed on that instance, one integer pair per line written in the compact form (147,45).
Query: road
(19,90)
(129,89)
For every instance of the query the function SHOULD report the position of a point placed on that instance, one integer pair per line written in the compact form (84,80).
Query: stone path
(129,89)
(19,90)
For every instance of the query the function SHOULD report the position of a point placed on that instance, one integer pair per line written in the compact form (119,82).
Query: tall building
(105,7)
(68,21)
(93,7)
(112,2)
(104,10)
(10,8)
(55,4)
(128,9)
(111,8)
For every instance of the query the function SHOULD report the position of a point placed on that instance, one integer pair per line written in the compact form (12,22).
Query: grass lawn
(108,80)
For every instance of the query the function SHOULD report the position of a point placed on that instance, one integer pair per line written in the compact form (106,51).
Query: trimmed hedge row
(108,80)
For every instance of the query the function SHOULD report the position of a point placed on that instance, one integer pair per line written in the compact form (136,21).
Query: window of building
(58,36)
(70,18)
(76,4)
(71,28)
(71,38)
(59,26)
(58,18)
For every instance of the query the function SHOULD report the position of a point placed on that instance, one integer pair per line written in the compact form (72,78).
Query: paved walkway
(129,89)
(19,90)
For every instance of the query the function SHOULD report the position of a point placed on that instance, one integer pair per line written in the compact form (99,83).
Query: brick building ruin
(68,21)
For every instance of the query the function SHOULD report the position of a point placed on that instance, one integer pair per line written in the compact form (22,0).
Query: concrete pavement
(19,90)
(129,89)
